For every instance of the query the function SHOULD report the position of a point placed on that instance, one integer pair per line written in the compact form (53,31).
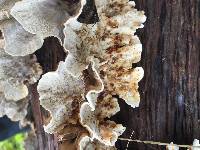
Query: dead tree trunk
(170,91)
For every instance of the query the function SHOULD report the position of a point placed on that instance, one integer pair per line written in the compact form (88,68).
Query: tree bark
(170,90)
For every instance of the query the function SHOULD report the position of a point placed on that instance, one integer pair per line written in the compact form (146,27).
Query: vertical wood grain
(170,91)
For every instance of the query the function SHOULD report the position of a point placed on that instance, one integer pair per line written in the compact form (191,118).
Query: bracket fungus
(87,144)
(97,68)
(16,73)
(197,144)
(106,132)
(46,17)
(16,111)
(63,95)
(80,93)
(172,146)
(25,24)
(18,42)
(112,47)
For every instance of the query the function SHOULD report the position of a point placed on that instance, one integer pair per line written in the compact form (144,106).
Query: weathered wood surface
(170,91)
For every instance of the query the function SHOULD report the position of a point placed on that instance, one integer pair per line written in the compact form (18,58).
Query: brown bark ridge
(170,90)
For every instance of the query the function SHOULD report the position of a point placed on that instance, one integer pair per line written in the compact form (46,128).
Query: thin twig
(158,143)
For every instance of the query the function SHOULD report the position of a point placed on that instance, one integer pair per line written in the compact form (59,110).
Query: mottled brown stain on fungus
(98,66)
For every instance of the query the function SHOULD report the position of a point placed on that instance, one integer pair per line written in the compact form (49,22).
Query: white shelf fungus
(98,67)
(16,111)
(61,93)
(18,42)
(87,144)
(46,17)
(16,73)
(196,145)
(172,146)
(106,132)
(26,23)
(112,47)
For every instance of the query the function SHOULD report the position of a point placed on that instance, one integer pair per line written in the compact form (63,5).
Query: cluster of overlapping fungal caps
(24,25)
(16,74)
(80,94)
(17,71)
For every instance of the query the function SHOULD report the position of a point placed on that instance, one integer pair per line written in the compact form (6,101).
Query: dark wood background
(170,90)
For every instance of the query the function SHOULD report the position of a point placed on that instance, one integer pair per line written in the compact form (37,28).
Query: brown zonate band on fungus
(106,132)
(77,138)
(87,144)
(112,45)
(98,66)
(70,136)
(63,95)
